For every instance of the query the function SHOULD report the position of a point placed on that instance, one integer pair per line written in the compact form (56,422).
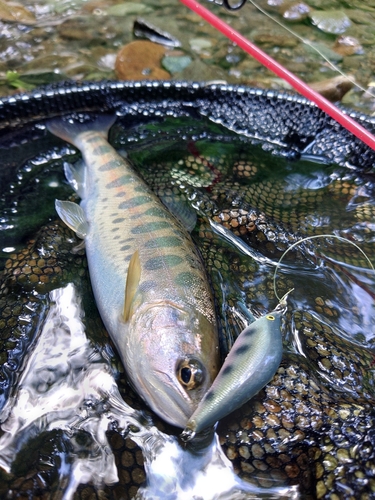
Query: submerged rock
(333,89)
(176,63)
(296,12)
(127,8)
(347,45)
(141,60)
(330,21)
(16,13)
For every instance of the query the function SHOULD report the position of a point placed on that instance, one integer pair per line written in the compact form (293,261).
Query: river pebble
(79,39)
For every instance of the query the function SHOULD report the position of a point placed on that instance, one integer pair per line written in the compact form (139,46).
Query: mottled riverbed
(48,40)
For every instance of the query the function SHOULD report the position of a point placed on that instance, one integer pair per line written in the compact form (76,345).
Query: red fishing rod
(346,121)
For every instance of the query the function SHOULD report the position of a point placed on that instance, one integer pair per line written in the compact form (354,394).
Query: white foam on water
(68,385)
(176,473)
(65,386)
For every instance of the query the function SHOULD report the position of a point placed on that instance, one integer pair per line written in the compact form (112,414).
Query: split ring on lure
(249,366)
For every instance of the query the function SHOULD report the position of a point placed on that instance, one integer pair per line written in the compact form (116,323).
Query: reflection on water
(68,385)
(64,385)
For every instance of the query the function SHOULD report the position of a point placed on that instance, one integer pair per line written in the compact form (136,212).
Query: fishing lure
(249,366)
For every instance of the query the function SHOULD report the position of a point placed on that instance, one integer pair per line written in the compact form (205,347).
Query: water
(71,422)
(67,385)
(80,39)
(311,426)
(64,380)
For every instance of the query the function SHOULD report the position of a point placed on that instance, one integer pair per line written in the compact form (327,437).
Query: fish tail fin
(70,129)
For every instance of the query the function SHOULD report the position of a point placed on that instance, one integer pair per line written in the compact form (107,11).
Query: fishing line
(312,238)
(312,46)
(328,107)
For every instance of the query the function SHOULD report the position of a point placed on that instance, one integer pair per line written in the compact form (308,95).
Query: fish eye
(185,374)
(190,373)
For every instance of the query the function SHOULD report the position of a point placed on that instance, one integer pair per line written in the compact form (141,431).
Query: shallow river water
(45,41)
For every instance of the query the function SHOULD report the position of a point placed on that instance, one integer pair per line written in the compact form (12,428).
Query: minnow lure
(249,366)
(162,321)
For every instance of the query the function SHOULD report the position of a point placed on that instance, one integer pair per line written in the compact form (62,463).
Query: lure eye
(270,317)
(190,374)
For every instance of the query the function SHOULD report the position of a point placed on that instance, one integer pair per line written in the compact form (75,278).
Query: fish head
(171,359)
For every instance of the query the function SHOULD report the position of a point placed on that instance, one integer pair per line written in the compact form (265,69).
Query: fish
(250,365)
(149,282)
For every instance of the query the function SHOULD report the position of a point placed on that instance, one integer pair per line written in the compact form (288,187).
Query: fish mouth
(169,376)
(169,400)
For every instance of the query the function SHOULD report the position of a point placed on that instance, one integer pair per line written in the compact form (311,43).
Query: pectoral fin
(73,216)
(132,282)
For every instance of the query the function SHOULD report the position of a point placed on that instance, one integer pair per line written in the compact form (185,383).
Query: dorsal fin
(132,282)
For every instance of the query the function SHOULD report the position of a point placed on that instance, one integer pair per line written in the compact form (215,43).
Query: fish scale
(163,323)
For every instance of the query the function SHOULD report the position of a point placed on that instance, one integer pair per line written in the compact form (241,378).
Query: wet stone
(231,453)
(260,465)
(140,60)
(292,471)
(257,451)
(297,11)
(127,459)
(247,468)
(244,452)
(124,476)
(138,475)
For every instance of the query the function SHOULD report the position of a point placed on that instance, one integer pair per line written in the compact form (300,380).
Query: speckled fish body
(164,325)
(249,366)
